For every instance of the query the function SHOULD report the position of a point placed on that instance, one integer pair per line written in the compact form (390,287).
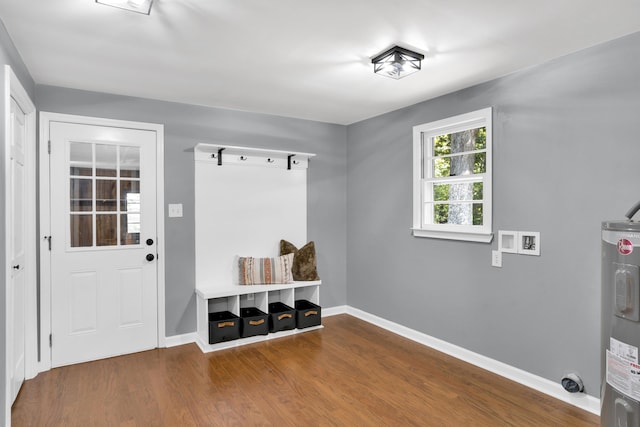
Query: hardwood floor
(348,374)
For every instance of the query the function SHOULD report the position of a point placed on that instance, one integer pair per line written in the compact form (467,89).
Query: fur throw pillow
(304,266)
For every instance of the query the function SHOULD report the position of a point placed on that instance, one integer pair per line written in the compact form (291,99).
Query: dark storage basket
(281,317)
(223,326)
(307,314)
(254,322)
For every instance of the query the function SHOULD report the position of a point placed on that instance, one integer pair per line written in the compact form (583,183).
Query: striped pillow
(266,271)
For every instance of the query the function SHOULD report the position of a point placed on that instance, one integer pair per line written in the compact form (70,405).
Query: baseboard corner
(176,340)
(332,311)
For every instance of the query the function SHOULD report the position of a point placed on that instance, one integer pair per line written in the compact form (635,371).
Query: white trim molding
(332,311)
(177,340)
(449,235)
(581,400)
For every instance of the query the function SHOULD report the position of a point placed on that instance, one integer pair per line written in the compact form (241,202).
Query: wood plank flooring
(348,374)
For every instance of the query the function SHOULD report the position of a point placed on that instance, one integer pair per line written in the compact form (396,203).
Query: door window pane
(81,230)
(106,229)
(80,159)
(106,195)
(81,194)
(129,196)
(130,162)
(106,160)
(130,226)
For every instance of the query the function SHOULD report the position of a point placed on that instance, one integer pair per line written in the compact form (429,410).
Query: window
(104,195)
(452,178)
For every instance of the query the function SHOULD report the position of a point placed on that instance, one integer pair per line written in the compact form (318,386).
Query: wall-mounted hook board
(233,155)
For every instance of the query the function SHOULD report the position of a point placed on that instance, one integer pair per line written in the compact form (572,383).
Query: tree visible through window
(452,176)
(459,164)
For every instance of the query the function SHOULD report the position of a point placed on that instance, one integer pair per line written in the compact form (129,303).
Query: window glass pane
(457,213)
(480,163)
(106,160)
(81,158)
(459,142)
(477,191)
(80,171)
(442,167)
(441,192)
(106,229)
(478,214)
(462,191)
(460,165)
(80,194)
(130,229)
(106,197)
(130,162)
(81,230)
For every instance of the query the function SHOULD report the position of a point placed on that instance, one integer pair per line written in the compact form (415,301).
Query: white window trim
(472,233)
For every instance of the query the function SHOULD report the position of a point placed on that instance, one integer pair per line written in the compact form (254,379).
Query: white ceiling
(300,58)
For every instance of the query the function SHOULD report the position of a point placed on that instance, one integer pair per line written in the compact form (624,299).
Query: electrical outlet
(496,258)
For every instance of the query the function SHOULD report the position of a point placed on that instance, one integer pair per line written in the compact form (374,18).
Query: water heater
(620,334)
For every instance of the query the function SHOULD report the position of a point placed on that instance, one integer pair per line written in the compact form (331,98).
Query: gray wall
(187,125)
(566,157)
(8,56)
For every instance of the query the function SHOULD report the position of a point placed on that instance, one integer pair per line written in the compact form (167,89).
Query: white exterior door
(104,295)
(17,245)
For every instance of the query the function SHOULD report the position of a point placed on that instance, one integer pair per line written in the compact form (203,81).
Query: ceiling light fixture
(397,62)
(139,6)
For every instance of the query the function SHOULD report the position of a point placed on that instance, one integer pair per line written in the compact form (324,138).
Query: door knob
(149,242)
(16,267)
(150,257)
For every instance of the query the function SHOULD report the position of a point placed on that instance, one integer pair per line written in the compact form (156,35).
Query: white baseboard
(332,311)
(177,340)
(543,385)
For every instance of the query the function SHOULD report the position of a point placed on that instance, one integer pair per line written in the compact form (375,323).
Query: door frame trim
(45,220)
(13,89)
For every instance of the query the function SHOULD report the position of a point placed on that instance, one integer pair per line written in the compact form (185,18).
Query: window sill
(453,235)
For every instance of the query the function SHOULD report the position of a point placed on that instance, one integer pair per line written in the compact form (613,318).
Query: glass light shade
(397,62)
(139,6)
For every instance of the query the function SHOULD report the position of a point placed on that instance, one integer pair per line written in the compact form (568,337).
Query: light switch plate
(496,258)
(175,210)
